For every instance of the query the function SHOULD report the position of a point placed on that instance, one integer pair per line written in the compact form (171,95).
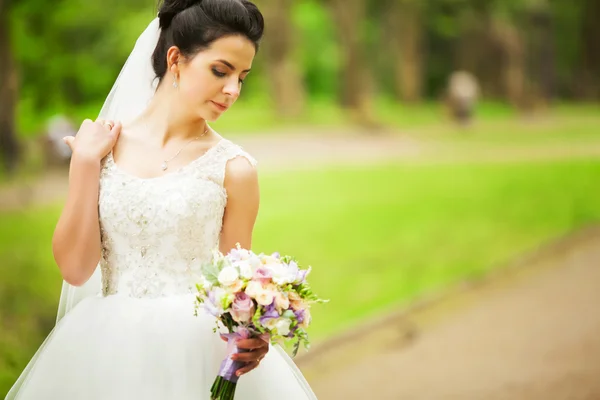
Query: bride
(150,196)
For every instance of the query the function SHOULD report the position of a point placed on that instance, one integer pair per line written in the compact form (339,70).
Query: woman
(166,190)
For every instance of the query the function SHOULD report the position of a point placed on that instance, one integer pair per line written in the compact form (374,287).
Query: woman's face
(210,82)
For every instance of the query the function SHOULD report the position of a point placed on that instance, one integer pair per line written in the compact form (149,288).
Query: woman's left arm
(241,185)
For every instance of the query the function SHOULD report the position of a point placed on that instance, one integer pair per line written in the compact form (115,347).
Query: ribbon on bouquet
(229,367)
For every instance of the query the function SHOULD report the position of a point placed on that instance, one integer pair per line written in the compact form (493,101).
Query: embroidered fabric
(156,232)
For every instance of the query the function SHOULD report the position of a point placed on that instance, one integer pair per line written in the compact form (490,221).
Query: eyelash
(222,74)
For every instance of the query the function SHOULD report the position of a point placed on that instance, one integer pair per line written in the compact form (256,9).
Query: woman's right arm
(76,240)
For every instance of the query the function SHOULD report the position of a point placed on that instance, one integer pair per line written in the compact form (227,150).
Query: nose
(232,88)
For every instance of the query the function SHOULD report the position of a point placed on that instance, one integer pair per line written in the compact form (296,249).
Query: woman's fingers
(69,141)
(247,368)
(109,124)
(250,356)
(251,344)
(116,131)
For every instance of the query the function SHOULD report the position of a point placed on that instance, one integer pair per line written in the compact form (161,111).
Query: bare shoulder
(240,169)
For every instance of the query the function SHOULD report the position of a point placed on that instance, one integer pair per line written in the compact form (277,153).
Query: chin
(212,116)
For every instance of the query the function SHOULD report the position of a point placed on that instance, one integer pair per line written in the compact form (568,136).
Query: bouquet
(254,295)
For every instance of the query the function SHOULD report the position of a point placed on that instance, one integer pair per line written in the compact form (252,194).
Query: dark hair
(193,25)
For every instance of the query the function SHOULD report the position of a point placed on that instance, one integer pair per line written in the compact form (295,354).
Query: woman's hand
(94,140)
(258,350)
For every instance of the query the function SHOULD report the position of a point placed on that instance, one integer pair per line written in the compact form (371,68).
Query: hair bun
(170,8)
(193,25)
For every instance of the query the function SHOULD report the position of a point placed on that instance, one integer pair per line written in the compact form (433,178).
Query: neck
(164,119)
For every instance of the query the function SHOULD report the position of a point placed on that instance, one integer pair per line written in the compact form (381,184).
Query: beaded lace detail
(156,232)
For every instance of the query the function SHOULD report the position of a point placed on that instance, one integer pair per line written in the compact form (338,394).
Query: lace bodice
(156,232)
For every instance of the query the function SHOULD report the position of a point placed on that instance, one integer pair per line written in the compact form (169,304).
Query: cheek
(200,87)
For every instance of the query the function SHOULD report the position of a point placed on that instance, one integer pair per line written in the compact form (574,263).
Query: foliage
(70,51)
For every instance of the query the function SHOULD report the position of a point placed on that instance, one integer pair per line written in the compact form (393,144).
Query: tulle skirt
(118,347)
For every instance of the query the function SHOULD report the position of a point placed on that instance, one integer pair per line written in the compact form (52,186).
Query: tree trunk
(513,63)
(356,88)
(406,37)
(8,95)
(590,58)
(287,88)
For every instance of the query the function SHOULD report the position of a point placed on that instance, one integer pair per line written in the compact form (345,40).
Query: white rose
(264,297)
(281,301)
(253,289)
(282,275)
(268,260)
(219,294)
(283,326)
(228,276)
(270,323)
(236,287)
(245,254)
(254,262)
(245,269)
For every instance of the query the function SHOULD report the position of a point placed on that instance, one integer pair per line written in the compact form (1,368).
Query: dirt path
(302,151)
(531,334)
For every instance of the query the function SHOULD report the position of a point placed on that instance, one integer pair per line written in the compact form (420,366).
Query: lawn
(376,237)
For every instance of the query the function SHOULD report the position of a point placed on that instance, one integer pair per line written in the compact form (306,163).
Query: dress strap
(224,152)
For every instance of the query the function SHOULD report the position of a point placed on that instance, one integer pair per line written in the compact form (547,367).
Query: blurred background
(406,147)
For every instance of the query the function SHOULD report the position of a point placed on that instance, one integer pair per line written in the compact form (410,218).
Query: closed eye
(218,73)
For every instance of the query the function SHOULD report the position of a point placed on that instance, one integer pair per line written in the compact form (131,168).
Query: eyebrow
(231,66)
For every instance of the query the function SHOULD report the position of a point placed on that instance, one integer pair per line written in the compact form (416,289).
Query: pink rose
(242,308)
(262,275)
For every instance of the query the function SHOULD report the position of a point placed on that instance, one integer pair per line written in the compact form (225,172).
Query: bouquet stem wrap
(224,386)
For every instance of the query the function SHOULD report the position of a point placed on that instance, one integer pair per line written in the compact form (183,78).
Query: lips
(220,106)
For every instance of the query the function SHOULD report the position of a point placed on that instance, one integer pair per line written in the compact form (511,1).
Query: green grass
(29,288)
(563,125)
(380,236)
(258,115)
(376,237)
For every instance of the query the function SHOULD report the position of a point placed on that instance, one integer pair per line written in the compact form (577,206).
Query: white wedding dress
(139,338)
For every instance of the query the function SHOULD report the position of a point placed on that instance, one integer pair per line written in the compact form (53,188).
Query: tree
(405,32)
(287,89)
(590,57)
(8,93)
(356,89)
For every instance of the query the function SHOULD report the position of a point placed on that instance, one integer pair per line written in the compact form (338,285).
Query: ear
(174,58)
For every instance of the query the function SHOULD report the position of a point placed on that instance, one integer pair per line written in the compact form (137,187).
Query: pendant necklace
(165,164)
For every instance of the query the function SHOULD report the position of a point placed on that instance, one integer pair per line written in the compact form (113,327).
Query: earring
(175,85)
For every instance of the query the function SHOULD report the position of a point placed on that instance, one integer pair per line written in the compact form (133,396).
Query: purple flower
(301,276)
(210,305)
(299,316)
(269,314)
(234,255)
(276,255)
(243,332)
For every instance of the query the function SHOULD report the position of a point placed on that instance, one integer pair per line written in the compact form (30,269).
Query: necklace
(165,164)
